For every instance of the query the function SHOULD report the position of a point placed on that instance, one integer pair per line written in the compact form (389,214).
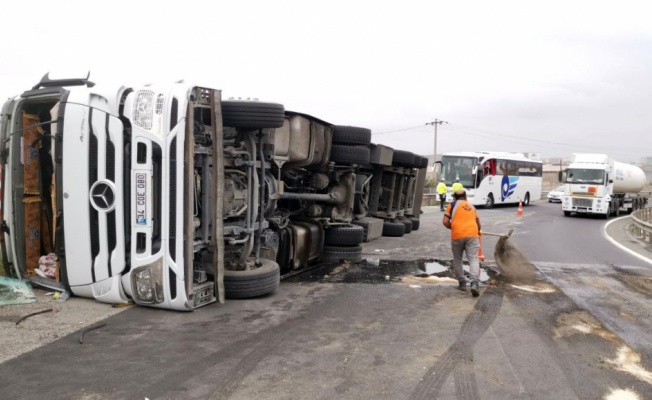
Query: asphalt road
(581,331)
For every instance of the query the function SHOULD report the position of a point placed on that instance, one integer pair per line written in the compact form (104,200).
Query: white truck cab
(126,187)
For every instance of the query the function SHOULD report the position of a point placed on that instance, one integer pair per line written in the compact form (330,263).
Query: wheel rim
(490,201)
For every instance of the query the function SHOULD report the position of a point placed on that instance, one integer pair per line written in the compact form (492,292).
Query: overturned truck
(173,198)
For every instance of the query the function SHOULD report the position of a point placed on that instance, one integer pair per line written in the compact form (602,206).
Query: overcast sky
(552,77)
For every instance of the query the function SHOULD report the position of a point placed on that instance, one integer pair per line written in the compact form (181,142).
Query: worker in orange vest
(463,221)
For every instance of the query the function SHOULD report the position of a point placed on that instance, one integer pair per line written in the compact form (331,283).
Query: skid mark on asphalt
(261,345)
(459,357)
(247,365)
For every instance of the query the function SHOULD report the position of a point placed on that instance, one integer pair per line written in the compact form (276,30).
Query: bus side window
(486,168)
(512,169)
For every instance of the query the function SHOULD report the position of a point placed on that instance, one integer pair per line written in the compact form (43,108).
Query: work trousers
(470,245)
(442,201)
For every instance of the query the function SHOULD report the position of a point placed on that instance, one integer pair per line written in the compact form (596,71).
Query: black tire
(567,213)
(252,283)
(526,201)
(351,135)
(252,114)
(393,229)
(608,214)
(489,203)
(339,253)
(415,223)
(345,235)
(402,158)
(424,162)
(341,154)
(408,225)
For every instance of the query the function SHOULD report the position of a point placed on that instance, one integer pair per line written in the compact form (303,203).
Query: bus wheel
(567,213)
(490,201)
(526,201)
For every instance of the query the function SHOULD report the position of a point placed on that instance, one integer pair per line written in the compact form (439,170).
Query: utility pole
(435,123)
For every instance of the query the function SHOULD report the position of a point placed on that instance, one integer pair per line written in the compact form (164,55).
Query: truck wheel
(567,213)
(393,229)
(351,135)
(339,253)
(346,235)
(616,211)
(252,283)
(489,203)
(252,114)
(415,223)
(341,154)
(408,225)
(420,162)
(402,158)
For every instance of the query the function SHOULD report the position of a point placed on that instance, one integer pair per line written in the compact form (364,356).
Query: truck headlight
(144,109)
(147,283)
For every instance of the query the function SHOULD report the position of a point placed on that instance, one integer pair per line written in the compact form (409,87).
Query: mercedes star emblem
(102,196)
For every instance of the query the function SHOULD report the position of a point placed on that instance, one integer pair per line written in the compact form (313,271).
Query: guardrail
(643,224)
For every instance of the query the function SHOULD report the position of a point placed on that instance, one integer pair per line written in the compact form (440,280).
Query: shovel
(503,238)
(502,235)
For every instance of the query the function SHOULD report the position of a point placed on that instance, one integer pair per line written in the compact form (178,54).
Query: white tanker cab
(597,184)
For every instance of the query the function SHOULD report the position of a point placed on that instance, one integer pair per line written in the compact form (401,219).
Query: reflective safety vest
(441,188)
(457,186)
(463,220)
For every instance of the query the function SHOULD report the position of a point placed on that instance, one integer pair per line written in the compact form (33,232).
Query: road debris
(90,328)
(15,291)
(32,314)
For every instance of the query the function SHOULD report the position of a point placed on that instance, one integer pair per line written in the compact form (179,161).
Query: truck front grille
(578,202)
(98,225)
(172,212)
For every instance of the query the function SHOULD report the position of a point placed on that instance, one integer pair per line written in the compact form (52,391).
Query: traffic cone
(480,255)
(519,213)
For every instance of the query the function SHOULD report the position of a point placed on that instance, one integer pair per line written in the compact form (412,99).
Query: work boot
(475,290)
(462,285)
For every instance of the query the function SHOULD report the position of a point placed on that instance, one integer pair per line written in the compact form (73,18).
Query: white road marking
(620,246)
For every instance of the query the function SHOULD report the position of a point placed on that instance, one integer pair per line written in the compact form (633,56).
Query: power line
(399,130)
(492,134)
(480,132)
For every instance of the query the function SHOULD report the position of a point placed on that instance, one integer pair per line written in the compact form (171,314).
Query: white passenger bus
(493,177)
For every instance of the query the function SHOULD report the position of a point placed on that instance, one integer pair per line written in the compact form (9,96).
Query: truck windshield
(577,175)
(454,167)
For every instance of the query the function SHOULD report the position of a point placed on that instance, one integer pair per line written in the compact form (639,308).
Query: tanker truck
(597,184)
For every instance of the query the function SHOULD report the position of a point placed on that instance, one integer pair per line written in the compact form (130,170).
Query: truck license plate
(141,199)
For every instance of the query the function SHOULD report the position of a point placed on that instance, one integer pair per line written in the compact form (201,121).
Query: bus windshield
(580,175)
(454,167)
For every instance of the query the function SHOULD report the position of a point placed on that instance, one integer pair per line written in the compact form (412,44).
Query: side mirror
(474,170)
(611,181)
(559,176)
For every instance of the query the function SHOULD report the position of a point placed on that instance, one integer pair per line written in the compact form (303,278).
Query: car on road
(555,194)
